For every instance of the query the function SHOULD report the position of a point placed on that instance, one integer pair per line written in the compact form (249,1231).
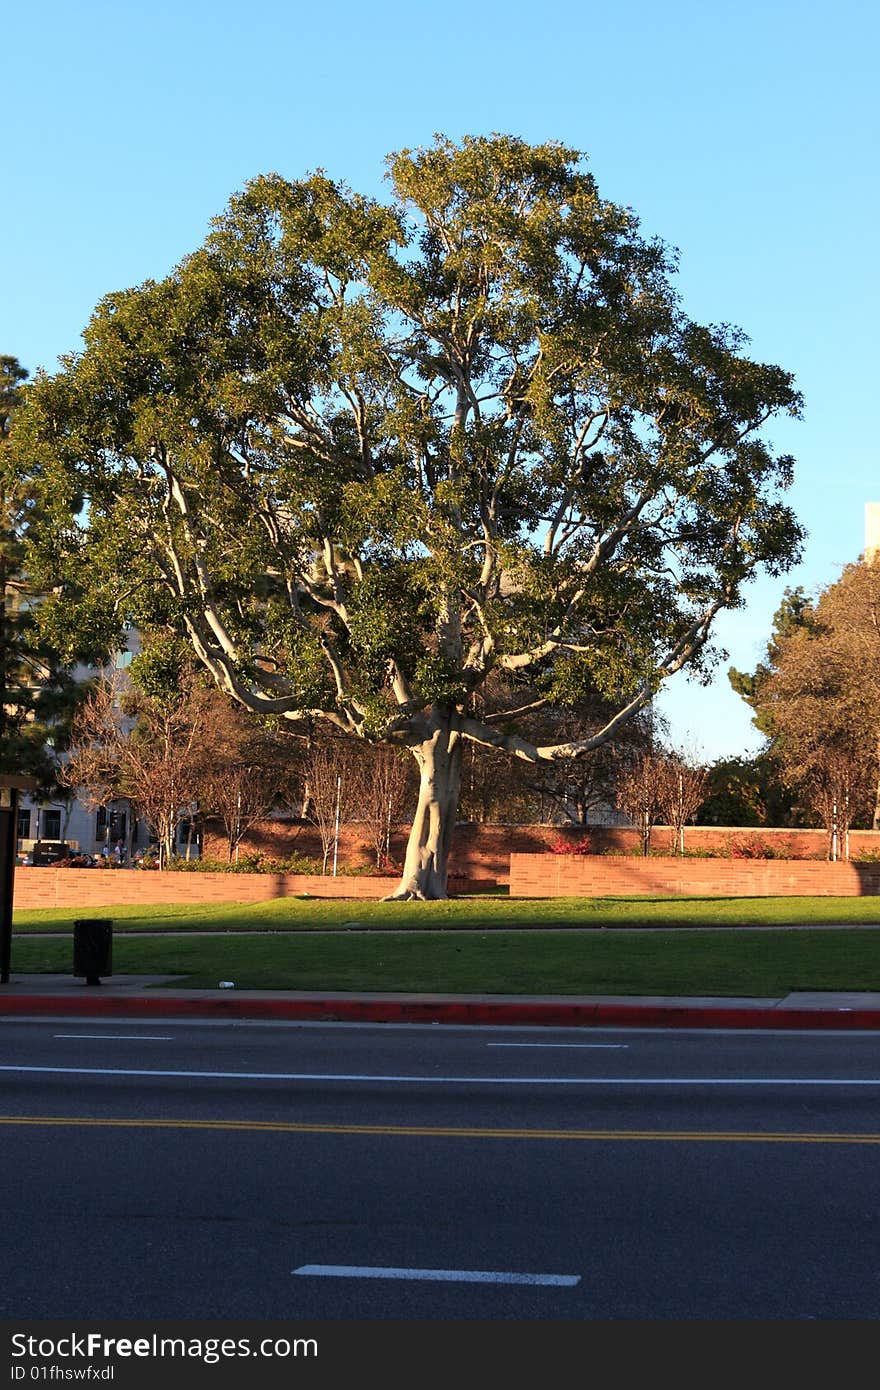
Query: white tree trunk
(426,864)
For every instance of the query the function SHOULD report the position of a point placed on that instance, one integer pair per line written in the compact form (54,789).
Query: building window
(24,823)
(122,658)
(51,824)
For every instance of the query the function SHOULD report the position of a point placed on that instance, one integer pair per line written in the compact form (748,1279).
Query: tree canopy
(794,614)
(367,454)
(747,791)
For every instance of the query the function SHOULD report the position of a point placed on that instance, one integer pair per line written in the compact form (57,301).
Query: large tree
(366,454)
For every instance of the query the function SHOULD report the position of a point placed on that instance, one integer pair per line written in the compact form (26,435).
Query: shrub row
(741,847)
(265,864)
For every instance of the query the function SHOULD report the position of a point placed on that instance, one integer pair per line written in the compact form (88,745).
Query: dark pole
(8,846)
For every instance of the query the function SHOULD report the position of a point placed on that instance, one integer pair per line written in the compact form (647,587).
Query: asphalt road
(332,1171)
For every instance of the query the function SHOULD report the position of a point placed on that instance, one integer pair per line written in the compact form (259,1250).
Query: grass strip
(314,914)
(718,962)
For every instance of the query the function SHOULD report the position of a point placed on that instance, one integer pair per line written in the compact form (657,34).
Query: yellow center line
(444,1132)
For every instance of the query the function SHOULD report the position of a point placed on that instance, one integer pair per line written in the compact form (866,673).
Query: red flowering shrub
(564,846)
(751,847)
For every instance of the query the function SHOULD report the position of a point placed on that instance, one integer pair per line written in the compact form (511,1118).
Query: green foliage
(438,680)
(748,792)
(383,623)
(252,863)
(794,614)
(38,694)
(579,677)
(162,668)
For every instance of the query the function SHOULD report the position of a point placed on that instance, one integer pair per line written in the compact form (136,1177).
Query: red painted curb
(453,1011)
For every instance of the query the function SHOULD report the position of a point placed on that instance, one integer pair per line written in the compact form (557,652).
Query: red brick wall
(478,851)
(88,888)
(531,875)
(587,875)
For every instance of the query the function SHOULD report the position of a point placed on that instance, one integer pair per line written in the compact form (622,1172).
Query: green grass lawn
(508,959)
(323,914)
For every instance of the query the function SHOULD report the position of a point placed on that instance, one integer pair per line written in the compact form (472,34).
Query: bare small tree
(680,794)
(239,795)
(837,787)
(150,752)
(640,785)
(330,792)
(252,770)
(381,780)
(577,787)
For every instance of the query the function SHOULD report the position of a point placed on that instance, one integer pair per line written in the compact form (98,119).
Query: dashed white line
(468,1276)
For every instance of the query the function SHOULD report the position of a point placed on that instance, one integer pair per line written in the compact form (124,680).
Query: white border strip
(118,1037)
(466,1276)
(453,1080)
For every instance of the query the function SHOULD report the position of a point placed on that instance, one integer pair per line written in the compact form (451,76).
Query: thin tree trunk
(426,865)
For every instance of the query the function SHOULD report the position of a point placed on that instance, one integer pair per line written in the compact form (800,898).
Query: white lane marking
(469,1276)
(455,1080)
(120,1037)
(622,1046)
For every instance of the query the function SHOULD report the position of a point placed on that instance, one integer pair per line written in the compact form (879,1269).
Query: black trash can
(93,948)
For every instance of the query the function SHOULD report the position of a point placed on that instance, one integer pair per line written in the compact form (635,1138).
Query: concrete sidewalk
(156,996)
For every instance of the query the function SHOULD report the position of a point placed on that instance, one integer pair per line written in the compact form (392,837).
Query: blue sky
(745,134)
